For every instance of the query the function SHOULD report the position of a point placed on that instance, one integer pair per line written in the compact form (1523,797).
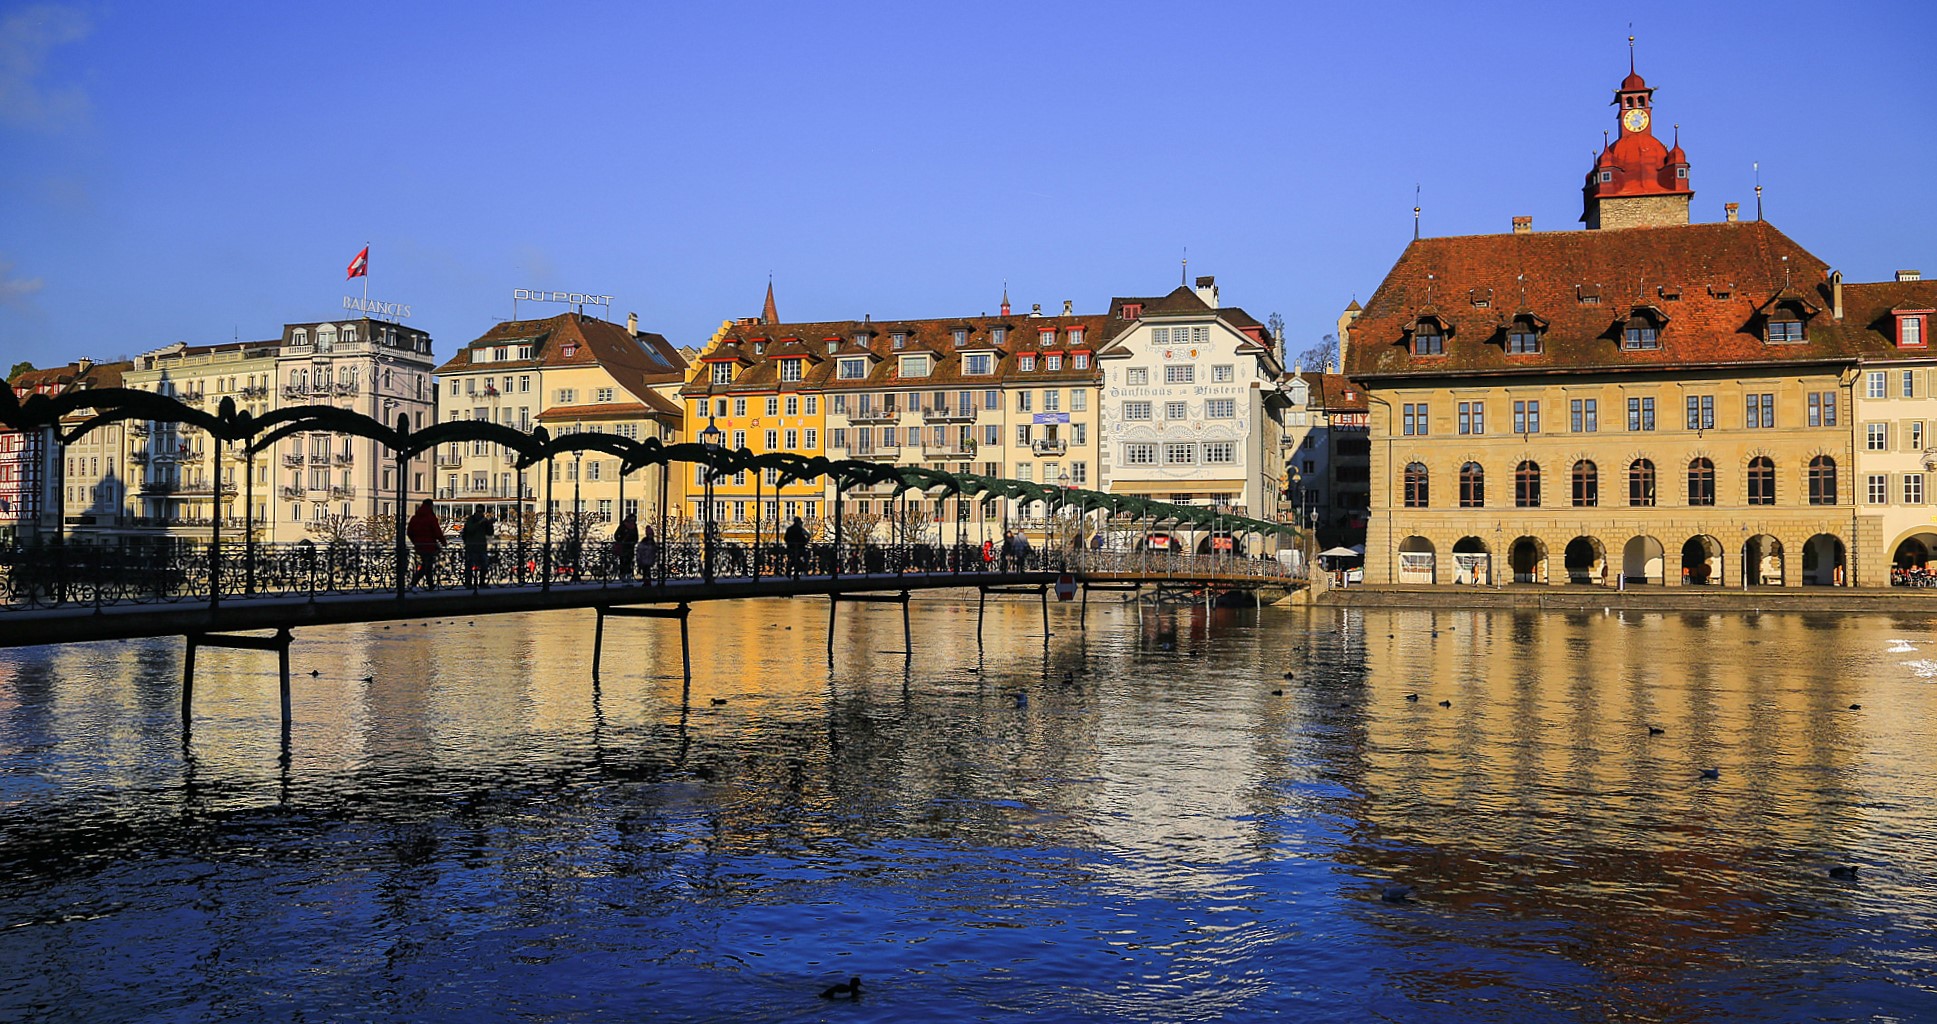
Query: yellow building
(1896,413)
(177,468)
(568,373)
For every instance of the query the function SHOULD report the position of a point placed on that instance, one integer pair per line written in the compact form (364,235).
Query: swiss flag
(359,267)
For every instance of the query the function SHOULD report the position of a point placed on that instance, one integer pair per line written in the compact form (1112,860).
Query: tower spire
(768,313)
(1415,212)
(1630,47)
(1005,298)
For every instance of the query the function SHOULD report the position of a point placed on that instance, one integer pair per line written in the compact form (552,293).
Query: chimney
(1035,309)
(1730,210)
(1836,294)
(1910,275)
(82,364)
(632,324)
(1523,225)
(1207,290)
(1067,304)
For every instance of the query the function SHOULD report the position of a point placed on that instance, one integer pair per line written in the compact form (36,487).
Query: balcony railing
(343,458)
(873,414)
(449,461)
(291,493)
(257,391)
(948,414)
(293,460)
(955,452)
(188,455)
(139,458)
(346,387)
(157,487)
(319,458)
(342,493)
(879,452)
(294,391)
(1042,446)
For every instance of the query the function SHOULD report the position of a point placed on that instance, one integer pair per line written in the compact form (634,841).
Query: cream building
(1896,412)
(182,475)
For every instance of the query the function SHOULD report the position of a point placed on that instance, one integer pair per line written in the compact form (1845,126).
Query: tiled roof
(603,411)
(636,363)
(61,378)
(1332,392)
(764,345)
(1708,280)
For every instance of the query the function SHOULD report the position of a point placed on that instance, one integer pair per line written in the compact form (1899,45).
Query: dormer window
(998,335)
(1588,294)
(790,369)
(1481,298)
(1052,362)
(914,366)
(1079,361)
(1669,292)
(1075,336)
(1640,333)
(860,340)
(1783,328)
(853,369)
(1132,310)
(1026,364)
(1523,339)
(1913,327)
(759,348)
(568,351)
(900,339)
(1427,339)
(722,373)
(961,336)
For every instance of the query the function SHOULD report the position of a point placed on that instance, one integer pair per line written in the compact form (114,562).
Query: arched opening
(1416,560)
(1158,542)
(1642,560)
(1472,562)
(1910,563)
(1701,561)
(1585,560)
(1762,561)
(1221,543)
(1824,561)
(1528,558)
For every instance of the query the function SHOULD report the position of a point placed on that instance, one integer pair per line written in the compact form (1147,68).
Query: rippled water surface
(1122,824)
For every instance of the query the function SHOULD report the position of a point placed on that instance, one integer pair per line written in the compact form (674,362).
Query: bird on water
(1846,872)
(1711,773)
(850,989)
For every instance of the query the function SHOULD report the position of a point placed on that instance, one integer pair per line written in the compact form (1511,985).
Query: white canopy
(1340,553)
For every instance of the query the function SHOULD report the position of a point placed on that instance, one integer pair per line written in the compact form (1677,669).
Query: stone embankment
(1895,601)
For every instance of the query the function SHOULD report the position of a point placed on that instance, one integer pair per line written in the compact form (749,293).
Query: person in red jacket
(427,536)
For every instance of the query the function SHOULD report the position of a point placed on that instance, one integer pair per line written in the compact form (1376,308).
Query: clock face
(1635,120)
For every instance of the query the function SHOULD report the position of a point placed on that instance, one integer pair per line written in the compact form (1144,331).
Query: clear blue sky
(202,171)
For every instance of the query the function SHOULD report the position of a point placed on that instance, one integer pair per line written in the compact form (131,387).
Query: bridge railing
(186,571)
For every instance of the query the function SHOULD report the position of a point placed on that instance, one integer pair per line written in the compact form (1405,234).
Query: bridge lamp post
(709,439)
(578,507)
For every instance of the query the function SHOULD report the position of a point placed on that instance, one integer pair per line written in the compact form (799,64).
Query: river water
(1123,823)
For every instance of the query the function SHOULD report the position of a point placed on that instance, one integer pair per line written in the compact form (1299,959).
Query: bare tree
(335,528)
(1321,356)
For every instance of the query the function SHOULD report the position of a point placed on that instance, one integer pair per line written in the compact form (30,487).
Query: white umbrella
(1339,553)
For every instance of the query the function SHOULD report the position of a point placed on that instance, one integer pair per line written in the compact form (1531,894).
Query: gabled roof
(74,375)
(636,363)
(1721,271)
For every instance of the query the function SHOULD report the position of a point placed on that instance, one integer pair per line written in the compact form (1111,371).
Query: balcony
(873,414)
(449,461)
(319,458)
(343,458)
(291,493)
(1048,447)
(954,452)
(948,414)
(188,455)
(157,487)
(139,458)
(342,493)
(293,461)
(258,391)
(138,430)
(345,387)
(294,391)
(191,397)
(877,453)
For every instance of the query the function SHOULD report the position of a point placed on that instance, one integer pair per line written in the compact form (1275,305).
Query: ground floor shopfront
(1728,547)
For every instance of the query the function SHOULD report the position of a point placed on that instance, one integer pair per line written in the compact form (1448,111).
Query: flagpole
(366,279)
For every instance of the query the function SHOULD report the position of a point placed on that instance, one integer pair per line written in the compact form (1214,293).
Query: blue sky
(205,171)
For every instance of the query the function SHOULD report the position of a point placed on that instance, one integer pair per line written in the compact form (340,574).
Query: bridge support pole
(1041,590)
(279,643)
(638,612)
(907,630)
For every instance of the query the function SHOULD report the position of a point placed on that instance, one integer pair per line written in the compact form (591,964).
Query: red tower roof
(1635,163)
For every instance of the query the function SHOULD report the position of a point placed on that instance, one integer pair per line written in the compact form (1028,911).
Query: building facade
(1193,406)
(1895,391)
(47,488)
(180,476)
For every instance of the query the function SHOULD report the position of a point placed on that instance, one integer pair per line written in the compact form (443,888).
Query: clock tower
(1636,181)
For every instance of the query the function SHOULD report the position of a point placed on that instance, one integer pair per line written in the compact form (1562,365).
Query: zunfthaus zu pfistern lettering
(1649,401)
(1191,404)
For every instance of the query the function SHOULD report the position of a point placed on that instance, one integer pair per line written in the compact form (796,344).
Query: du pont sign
(572,298)
(371,307)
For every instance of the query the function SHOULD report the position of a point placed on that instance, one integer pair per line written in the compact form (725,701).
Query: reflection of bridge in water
(78,594)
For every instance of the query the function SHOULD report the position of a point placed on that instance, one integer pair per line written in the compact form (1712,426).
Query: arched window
(1641,484)
(1701,482)
(1526,485)
(1822,480)
(1416,485)
(1587,485)
(1472,486)
(1762,481)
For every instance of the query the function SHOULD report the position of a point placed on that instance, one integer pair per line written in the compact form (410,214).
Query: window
(1878,485)
(1583,415)
(1221,408)
(1784,328)
(1526,417)
(1916,435)
(1427,341)
(1913,488)
(722,373)
(976,364)
(1822,480)
(1472,486)
(914,366)
(740,439)
(1180,374)
(1822,408)
(813,438)
(1909,383)
(1701,412)
(961,336)
(1223,374)
(739,407)
(1220,452)
(900,339)
(998,335)
(1079,361)
(1052,400)
(855,369)
(1174,410)
(1526,485)
(1639,334)
(1025,401)
(1136,376)
(1641,414)
(1416,481)
(1472,417)
(1587,484)
(1759,411)
(1413,419)
(790,369)
(1876,437)
(773,405)
(1641,484)
(773,440)
(1025,363)
(1139,454)
(1136,410)
(1075,335)
(1053,361)
(1873,384)
(793,440)
(1701,482)
(1179,454)
(813,404)
(1079,400)
(1523,340)
(1022,435)
(1762,481)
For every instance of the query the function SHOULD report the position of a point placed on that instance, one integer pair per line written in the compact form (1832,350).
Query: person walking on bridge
(796,548)
(476,535)
(625,542)
(648,556)
(426,535)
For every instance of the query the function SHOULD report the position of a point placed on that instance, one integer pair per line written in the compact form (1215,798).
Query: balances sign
(371,307)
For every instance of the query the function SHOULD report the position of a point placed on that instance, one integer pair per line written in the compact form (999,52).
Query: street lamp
(709,439)
(577,520)
(1298,505)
